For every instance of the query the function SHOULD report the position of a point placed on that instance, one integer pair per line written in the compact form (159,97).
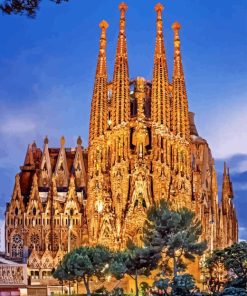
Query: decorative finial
(62,141)
(46,141)
(123,6)
(79,141)
(158,7)
(103,25)
(176,26)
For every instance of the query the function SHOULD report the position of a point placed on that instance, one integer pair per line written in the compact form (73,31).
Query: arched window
(17,246)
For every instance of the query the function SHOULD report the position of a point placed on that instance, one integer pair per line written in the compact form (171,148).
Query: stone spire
(99,101)
(180,113)
(120,97)
(29,161)
(160,94)
(227,192)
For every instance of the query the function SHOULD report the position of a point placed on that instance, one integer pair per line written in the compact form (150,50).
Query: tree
(134,261)
(84,263)
(236,264)
(26,7)
(233,292)
(183,285)
(232,261)
(161,285)
(215,269)
(62,274)
(174,233)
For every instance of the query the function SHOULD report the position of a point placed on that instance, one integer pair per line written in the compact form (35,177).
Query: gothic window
(34,274)
(17,246)
(34,211)
(34,240)
(53,239)
(16,211)
(46,274)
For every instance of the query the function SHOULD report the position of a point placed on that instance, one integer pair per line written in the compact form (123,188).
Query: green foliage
(84,263)
(236,263)
(117,292)
(161,286)
(144,288)
(233,260)
(183,285)
(174,233)
(23,7)
(233,292)
(134,261)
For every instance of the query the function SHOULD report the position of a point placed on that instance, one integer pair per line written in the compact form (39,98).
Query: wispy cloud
(54,112)
(224,126)
(237,163)
(14,126)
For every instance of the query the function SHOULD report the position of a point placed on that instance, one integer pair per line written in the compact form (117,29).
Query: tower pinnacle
(160,92)
(120,97)
(180,112)
(99,100)
(176,26)
(158,7)
(103,24)
(122,7)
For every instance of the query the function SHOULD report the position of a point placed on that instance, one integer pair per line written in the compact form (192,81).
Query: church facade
(143,147)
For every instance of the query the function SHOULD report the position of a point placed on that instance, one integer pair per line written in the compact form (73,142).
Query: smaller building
(13,278)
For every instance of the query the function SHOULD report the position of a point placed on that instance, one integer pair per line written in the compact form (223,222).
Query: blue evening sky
(47,68)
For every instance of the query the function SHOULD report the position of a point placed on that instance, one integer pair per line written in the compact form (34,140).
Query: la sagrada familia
(143,147)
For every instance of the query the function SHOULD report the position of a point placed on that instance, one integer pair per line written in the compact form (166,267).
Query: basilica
(143,147)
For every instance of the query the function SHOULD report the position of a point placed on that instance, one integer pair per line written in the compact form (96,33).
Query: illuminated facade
(143,147)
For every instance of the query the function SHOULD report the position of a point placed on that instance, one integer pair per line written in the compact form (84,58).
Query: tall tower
(228,221)
(97,159)
(118,139)
(160,83)
(180,153)
(98,116)
(120,95)
(180,112)
(160,114)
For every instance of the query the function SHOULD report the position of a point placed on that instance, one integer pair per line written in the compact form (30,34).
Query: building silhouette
(143,147)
